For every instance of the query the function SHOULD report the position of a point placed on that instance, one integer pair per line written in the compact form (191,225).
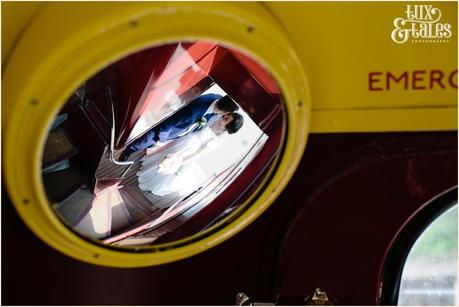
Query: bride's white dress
(188,177)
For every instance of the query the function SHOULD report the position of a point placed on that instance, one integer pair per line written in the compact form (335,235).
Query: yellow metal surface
(340,43)
(68,42)
(409,119)
(16,17)
(344,49)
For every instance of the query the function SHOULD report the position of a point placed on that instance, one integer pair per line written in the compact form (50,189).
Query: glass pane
(163,144)
(430,273)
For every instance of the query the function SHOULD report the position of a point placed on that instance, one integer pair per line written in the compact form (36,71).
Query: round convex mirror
(164,145)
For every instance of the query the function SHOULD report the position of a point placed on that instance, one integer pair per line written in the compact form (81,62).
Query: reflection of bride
(172,168)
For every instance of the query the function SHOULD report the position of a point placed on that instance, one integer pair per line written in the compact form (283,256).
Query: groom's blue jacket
(176,124)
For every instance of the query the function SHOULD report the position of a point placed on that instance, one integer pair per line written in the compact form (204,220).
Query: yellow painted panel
(340,43)
(322,54)
(16,16)
(66,43)
(384,120)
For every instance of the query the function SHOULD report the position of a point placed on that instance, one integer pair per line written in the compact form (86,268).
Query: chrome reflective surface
(163,144)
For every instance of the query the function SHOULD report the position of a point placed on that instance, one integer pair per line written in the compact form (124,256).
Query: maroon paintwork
(330,228)
(367,196)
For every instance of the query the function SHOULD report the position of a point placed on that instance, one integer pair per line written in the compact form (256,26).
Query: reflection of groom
(190,118)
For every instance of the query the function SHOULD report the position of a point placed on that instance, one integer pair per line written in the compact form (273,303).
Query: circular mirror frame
(64,55)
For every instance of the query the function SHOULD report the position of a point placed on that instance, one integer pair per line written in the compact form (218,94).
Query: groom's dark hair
(235,124)
(227,104)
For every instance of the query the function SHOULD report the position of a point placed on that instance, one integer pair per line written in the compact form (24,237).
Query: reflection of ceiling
(168,86)
(184,69)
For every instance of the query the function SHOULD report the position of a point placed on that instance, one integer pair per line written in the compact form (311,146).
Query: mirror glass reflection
(163,144)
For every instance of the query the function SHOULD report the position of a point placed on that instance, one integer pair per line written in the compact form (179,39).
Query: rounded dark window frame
(396,257)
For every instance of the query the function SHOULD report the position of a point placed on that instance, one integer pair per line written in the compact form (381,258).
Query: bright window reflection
(430,273)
